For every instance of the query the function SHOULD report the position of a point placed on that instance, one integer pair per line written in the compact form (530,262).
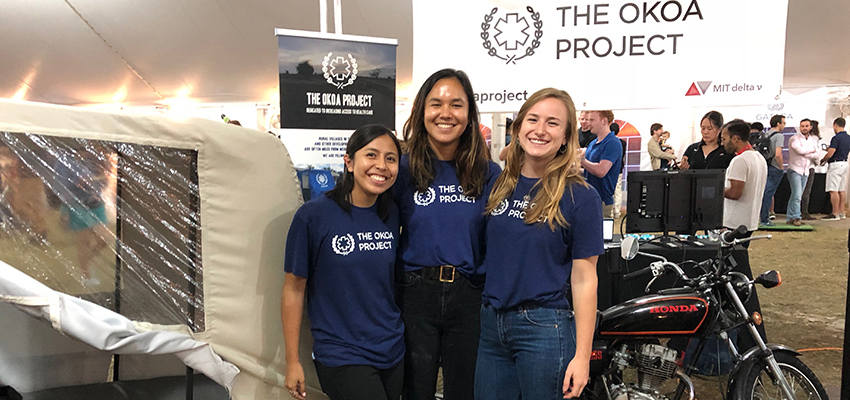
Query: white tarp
(106,330)
(719,52)
(247,193)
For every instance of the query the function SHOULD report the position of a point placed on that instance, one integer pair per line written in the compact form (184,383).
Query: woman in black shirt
(707,153)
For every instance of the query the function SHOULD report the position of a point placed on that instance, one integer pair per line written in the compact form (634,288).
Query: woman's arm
(583,284)
(291,312)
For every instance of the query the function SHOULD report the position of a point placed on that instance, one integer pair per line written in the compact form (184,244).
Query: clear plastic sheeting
(117,224)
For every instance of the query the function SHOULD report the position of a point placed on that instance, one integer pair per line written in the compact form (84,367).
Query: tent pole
(338,17)
(323,16)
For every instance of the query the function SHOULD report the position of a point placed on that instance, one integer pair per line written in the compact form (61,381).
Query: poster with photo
(331,85)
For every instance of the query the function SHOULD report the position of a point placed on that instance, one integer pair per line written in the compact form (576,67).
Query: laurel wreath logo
(776,107)
(425,198)
(343,245)
(328,64)
(500,209)
(511,59)
(322,180)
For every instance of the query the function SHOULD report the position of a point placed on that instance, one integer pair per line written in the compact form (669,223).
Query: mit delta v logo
(701,88)
(339,71)
(515,39)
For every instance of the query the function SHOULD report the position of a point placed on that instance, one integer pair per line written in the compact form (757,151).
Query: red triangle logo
(693,91)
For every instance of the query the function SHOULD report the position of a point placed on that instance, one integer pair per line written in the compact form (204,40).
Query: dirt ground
(806,312)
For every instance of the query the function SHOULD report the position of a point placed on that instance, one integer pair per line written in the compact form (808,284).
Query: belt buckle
(447,273)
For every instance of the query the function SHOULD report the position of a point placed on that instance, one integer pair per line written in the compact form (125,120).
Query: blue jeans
(524,353)
(441,323)
(774,177)
(798,182)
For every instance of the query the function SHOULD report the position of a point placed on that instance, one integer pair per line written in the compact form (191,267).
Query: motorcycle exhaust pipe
(684,378)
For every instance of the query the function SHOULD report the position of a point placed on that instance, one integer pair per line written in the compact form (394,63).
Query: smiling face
(375,168)
(599,125)
(543,130)
(708,130)
(446,116)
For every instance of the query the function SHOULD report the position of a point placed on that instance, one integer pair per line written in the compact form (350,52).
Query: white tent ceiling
(80,52)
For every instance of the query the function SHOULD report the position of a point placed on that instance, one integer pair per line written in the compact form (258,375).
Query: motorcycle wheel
(758,383)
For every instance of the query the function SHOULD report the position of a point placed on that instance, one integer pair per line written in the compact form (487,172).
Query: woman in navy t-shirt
(341,250)
(544,233)
(440,193)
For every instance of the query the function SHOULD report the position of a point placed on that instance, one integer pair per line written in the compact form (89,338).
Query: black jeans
(361,382)
(442,326)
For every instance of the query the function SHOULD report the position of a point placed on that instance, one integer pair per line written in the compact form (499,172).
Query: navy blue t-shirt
(442,225)
(841,143)
(609,149)
(530,264)
(349,263)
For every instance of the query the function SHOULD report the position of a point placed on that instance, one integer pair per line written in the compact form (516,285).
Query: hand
(578,373)
(684,163)
(670,151)
(294,381)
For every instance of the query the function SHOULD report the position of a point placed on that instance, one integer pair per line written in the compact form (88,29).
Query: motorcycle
(629,335)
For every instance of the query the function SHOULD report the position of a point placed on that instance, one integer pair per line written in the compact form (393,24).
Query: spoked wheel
(760,385)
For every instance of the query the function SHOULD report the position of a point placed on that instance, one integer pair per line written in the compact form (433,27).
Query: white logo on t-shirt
(424,198)
(343,245)
(500,209)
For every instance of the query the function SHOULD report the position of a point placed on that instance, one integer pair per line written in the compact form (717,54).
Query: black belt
(442,273)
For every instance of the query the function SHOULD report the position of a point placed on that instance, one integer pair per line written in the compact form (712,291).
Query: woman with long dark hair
(707,153)
(544,234)
(444,176)
(341,251)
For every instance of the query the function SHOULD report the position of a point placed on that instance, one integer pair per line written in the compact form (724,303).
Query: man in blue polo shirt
(836,175)
(603,158)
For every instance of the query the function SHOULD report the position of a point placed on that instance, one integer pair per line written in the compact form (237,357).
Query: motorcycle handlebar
(638,273)
(731,235)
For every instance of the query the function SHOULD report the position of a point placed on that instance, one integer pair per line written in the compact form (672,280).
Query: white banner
(614,55)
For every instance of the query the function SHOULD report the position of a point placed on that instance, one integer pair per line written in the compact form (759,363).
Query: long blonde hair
(562,171)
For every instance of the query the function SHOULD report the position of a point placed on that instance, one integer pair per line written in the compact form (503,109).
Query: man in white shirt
(745,178)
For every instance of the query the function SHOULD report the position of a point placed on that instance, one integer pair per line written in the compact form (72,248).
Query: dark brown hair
(472,154)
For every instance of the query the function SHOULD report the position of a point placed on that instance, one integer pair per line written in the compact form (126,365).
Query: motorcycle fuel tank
(656,315)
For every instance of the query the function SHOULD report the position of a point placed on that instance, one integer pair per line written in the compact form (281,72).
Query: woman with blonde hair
(544,233)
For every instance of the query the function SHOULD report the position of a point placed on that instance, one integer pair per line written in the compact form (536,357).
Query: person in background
(745,178)
(618,189)
(83,176)
(756,128)
(810,180)
(667,164)
(836,175)
(585,136)
(775,168)
(535,339)
(603,159)
(341,252)
(802,155)
(444,178)
(707,153)
(653,146)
